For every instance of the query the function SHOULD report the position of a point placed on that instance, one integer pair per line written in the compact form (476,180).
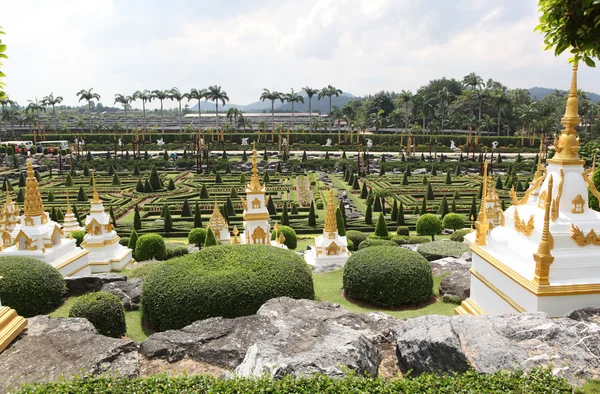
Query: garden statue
(452,145)
(244,141)
(369,143)
(328,142)
(284,141)
(160,142)
(495,145)
(120,143)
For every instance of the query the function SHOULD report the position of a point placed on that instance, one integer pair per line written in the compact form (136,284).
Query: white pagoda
(257,229)
(546,255)
(329,248)
(41,238)
(219,226)
(70,223)
(102,241)
(9,220)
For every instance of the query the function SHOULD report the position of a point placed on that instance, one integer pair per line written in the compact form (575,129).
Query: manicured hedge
(176,249)
(150,246)
(104,310)
(459,235)
(369,242)
(30,286)
(539,381)
(418,239)
(227,280)
(142,270)
(388,276)
(356,237)
(439,249)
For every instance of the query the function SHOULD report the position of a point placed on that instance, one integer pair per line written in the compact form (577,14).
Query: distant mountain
(539,93)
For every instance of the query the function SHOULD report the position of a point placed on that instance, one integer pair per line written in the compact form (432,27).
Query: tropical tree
(310,92)
(198,94)
(271,95)
(162,95)
(424,104)
(244,122)
(501,101)
(405,97)
(216,94)
(443,97)
(144,95)
(51,101)
(232,114)
(377,119)
(329,91)
(34,107)
(89,96)
(175,94)
(473,81)
(293,97)
(11,116)
(124,101)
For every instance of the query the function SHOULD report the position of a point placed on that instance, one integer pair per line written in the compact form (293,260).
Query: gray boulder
(129,292)
(490,343)
(88,283)
(448,264)
(54,348)
(590,315)
(456,286)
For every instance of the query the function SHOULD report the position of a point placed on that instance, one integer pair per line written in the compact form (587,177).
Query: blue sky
(359,46)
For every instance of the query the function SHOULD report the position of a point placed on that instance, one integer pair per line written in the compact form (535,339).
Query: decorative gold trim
(113,241)
(77,270)
(556,201)
(534,185)
(520,225)
(498,292)
(567,146)
(469,307)
(588,179)
(81,254)
(256,216)
(583,240)
(578,202)
(542,200)
(542,257)
(11,325)
(482,226)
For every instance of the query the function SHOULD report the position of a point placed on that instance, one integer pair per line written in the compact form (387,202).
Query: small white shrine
(70,223)
(102,241)
(493,206)
(329,248)
(219,226)
(41,239)
(257,229)
(9,220)
(546,255)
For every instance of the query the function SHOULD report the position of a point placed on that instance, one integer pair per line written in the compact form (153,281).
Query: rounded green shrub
(226,280)
(356,237)
(30,286)
(104,310)
(459,235)
(197,236)
(400,239)
(175,249)
(454,221)
(124,241)
(429,224)
(439,249)
(388,277)
(375,242)
(291,240)
(142,270)
(403,230)
(150,246)
(418,239)
(350,245)
(78,236)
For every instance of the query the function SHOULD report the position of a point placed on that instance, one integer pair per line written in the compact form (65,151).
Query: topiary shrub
(356,237)
(227,280)
(30,286)
(291,241)
(150,246)
(454,221)
(350,244)
(124,241)
(418,239)
(459,235)
(176,249)
(142,270)
(439,249)
(78,236)
(388,277)
(400,239)
(403,230)
(375,242)
(429,224)
(104,310)
(197,236)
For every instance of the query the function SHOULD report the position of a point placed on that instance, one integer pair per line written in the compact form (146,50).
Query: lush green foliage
(150,246)
(459,235)
(104,310)
(418,239)
(388,276)
(30,286)
(356,237)
(197,236)
(369,242)
(429,224)
(291,240)
(176,249)
(78,236)
(440,249)
(142,270)
(228,280)
(381,227)
(454,221)
(402,230)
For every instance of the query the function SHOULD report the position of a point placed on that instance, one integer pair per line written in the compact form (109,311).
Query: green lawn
(328,286)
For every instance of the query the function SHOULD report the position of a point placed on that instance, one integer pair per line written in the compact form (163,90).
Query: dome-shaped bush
(454,221)
(375,242)
(291,241)
(104,310)
(459,235)
(388,277)
(150,246)
(439,249)
(356,237)
(30,286)
(227,280)
(429,224)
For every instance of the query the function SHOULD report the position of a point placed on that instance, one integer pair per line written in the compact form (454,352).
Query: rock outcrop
(53,348)
(129,292)
(490,343)
(85,284)
(456,285)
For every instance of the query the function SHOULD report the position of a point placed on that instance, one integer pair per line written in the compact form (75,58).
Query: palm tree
(293,97)
(198,94)
(377,119)
(5,101)
(233,113)
(501,100)
(329,91)
(52,101)
(144,95)
(489,123)
(443,97)
(11,116)
(216,94)
(405,97)
(124,100)
(175,94)
(473,81)
(162,95)
(244,122)
(274,95)
(88,95)
(33,110)
(310,92)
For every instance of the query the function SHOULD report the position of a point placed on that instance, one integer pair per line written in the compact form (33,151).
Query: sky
(358,46)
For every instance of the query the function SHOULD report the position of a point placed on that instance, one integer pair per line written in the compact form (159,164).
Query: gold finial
(95,197)
(543,258)
(68,204)
(33,205)
(235,231)
(254,181)
(276,228)
(330,219)
(281,238)
(482,225)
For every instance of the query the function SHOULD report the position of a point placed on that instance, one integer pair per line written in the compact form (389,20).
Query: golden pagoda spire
(68,205)
(567,146)
(95,197)
(254,181)
(330,219)
(542,257)
(482,225)
(33,205)
(538,171)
